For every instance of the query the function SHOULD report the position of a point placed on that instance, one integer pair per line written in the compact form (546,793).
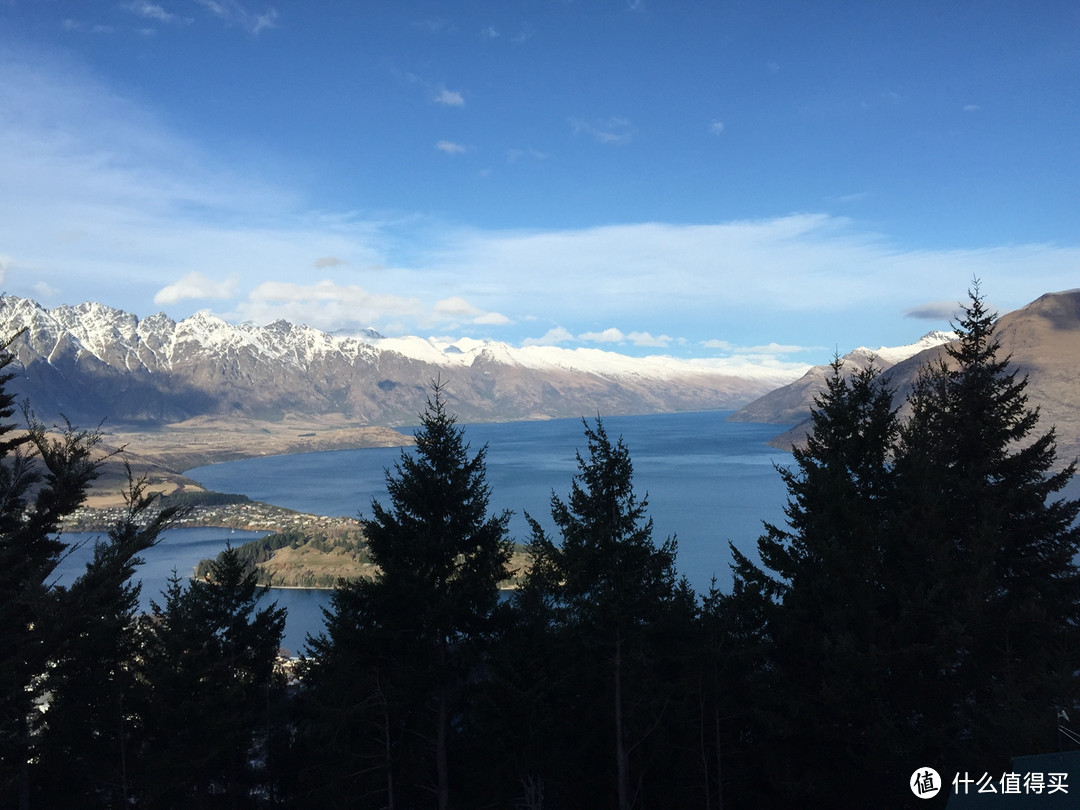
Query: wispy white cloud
(43,291)
(489,32)
(779,348)
(451,148)
(235,13)
(610,335)
(716,127)
(449,98)
(768,348)
(780,268)
(196,286)
(153,11)
(715,343)
(435,25)
(525,35)
(514,155)
(70,24)
(436,92)
(455,307)
(327,304)
(613,335)
(553,337)
(972,108)
(615,131)
(650,340)
(492,319)
(456,310)
(855,196)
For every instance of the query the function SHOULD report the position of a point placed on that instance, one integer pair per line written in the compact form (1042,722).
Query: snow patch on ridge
(896,354)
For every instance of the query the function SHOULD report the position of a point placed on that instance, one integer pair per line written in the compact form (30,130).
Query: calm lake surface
(708,481)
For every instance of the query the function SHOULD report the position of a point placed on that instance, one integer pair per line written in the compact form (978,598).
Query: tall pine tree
(401,653)
(89,733)
(813,612)
(612,591)
(208,682)
(922,602)
(993,546)
(63,650)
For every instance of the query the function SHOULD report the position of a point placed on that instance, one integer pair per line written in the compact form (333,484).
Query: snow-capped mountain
(887,356)
(1042,341)
(791,403)
(91,362)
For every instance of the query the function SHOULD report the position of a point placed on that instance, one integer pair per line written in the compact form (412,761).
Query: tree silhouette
(994,548)
(62,649)
(411,639)
(207,668)
(611,591)
(919,604)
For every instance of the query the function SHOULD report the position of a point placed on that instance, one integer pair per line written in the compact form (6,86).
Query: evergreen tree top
(435,543)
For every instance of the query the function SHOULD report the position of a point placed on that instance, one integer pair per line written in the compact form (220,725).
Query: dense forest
(919,606)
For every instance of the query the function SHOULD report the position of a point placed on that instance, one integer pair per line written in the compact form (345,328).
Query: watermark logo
(1033,782)
(925,783)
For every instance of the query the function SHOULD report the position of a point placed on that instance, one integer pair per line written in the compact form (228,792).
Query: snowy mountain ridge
(895,354)
(91,361)
(157,342)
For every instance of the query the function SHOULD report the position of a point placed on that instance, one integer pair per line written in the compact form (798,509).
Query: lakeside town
(251,516)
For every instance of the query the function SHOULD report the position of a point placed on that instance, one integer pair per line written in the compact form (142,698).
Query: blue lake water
(708,481)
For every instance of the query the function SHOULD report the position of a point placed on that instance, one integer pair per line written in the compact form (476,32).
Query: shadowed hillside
(1043,339)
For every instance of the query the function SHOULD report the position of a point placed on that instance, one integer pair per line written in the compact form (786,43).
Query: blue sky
(766,180)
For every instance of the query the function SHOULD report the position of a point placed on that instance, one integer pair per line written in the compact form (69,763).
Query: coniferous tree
(89,731)
(400,654)
(42,479)
(813,610)
(207,670)
(920,604)
(32,504)
(612,591)
(63,650)
(993,546)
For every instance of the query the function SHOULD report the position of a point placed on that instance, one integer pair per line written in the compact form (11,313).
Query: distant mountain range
(91,362)
(1043,339)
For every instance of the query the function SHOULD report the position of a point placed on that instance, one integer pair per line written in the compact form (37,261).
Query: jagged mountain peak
(205,319)
(91,362)
(891,355)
